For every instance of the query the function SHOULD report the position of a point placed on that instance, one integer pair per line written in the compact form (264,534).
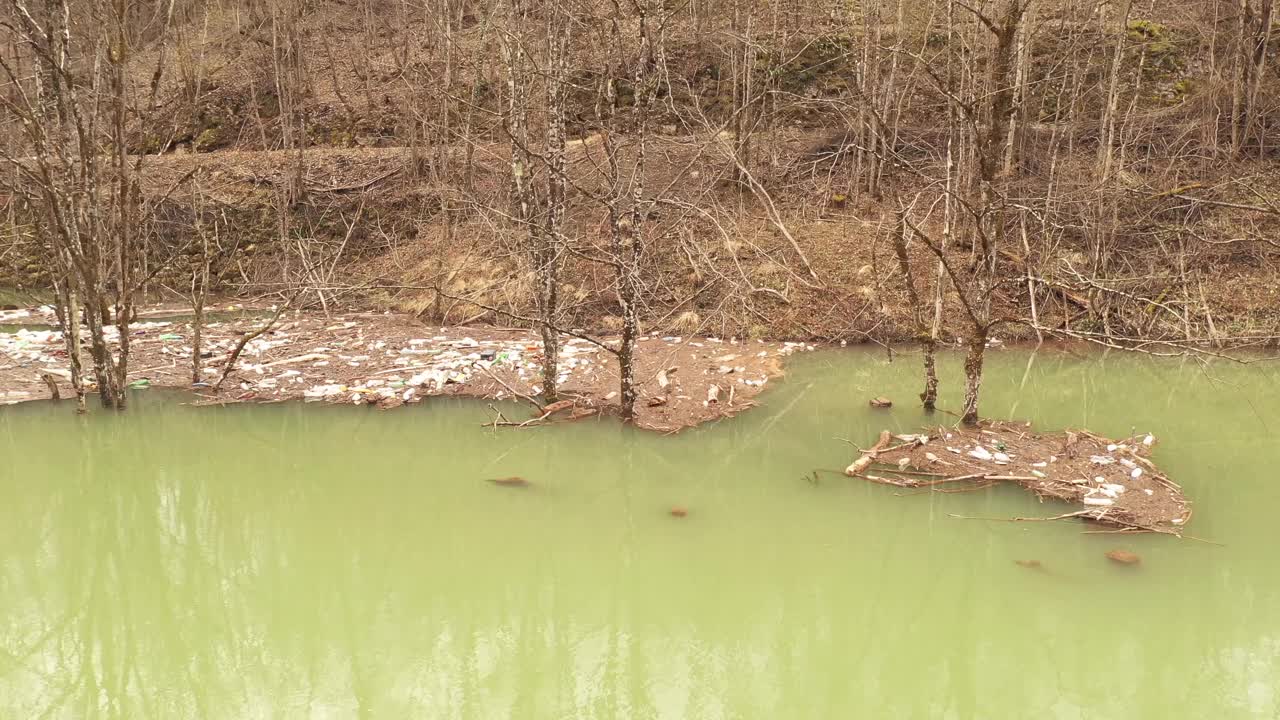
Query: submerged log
(510,482)
(1123,557)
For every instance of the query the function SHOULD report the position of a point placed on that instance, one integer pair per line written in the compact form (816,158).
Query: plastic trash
(981,453)
(140,384)
(170,336)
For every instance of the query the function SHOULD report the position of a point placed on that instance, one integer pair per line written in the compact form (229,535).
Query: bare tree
(986,204)
(78,176)
(639,61)
(1254,28)
(538,178)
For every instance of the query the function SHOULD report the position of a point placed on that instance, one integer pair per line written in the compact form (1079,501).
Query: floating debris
(1111,482)
(389,360)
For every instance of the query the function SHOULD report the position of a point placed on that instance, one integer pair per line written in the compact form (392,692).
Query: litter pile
(389,360)
(1112,482)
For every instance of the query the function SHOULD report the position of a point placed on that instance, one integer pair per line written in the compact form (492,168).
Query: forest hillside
(765,168)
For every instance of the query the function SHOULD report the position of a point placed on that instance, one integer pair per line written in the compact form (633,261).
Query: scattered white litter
(981,453)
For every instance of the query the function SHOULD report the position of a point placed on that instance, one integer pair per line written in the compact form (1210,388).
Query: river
(291,561)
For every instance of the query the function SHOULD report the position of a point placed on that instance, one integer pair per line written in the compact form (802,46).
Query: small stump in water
(679,511)
(1111,482)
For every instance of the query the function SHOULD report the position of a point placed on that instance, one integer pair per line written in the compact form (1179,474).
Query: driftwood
(869,456)
(556,407)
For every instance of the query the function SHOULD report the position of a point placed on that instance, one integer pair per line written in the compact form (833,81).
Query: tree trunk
(626,363)
(929,398)
(68,312)
(973,375)
(197,337)
(926,334)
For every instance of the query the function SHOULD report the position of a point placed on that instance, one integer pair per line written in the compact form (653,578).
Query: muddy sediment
(389,360)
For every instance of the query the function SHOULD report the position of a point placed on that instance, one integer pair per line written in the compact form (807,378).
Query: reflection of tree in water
(288,562)
(125,581)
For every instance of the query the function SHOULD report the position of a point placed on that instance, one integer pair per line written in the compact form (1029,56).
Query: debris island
(1110,482)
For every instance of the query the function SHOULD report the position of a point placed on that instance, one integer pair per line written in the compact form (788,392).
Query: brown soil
(389,360)
(1112,482)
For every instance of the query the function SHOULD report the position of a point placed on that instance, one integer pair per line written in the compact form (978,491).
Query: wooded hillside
(764,168)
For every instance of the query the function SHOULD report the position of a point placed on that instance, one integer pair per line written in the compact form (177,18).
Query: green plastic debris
(170,336)
(140,384)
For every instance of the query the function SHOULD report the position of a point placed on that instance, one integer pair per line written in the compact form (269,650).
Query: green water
(297,561)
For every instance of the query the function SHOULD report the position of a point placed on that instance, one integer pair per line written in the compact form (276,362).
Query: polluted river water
(299,561)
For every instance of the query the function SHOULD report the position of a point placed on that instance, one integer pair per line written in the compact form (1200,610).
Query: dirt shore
(389,360)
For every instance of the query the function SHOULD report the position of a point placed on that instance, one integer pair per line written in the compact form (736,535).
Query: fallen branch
(510,389)
(246,339)
(300,358)
(356,186)
(1064,516)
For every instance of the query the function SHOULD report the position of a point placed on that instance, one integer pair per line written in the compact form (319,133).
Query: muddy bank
(388,360)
